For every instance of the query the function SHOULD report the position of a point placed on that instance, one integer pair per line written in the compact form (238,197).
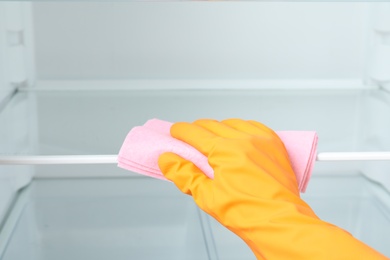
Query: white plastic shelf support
(379,64)
(15,28)
(112,159)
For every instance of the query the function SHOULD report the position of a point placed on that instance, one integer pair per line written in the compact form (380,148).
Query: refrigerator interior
(89,72)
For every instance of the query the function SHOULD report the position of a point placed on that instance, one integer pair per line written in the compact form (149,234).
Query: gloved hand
(254,192)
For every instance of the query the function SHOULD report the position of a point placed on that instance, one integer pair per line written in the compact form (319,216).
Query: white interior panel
(199,40)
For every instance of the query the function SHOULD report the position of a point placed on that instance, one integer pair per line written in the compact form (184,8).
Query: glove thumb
(184,174)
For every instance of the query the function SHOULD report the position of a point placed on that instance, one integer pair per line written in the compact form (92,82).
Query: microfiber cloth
(144,144)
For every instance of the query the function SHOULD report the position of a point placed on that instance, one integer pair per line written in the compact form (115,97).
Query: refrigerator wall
(197,40)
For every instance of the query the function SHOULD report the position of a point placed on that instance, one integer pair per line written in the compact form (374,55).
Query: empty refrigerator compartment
(104,218)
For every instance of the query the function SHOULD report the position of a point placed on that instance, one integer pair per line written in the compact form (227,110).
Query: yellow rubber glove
(254,192)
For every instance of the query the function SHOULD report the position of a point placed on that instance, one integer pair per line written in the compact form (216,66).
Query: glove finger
(194,135)
(263,127)
(184,174)
(249,127)
(271,132)
(258,129)
(219,128)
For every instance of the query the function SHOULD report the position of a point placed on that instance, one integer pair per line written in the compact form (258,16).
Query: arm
(254,192)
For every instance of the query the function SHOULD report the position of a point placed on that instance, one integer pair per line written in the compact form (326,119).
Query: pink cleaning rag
(144,144)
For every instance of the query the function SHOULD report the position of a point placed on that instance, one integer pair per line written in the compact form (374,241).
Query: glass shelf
(56,122)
